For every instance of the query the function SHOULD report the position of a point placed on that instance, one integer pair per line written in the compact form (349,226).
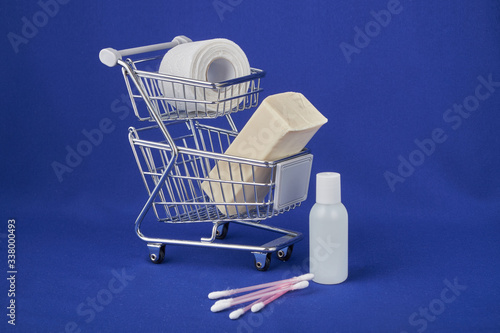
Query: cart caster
(262,261)
(222,231)
(156,253)
(285,253)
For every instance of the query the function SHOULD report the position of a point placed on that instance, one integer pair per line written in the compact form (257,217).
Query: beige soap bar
(281,126)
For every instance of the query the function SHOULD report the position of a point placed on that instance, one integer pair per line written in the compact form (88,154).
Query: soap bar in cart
(280,127)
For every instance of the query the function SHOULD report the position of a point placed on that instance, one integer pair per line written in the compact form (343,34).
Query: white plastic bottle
(328,226)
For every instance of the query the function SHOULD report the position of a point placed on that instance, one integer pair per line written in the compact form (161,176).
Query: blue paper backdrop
(412,93)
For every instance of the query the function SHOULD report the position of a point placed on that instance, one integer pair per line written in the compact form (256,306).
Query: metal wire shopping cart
(180,158)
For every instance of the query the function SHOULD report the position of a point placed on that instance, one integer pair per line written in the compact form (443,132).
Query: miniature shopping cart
(183,143)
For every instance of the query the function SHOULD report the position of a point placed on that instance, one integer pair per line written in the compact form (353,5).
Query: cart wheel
(157,257)
(222,231)
(262,261)
(285,253)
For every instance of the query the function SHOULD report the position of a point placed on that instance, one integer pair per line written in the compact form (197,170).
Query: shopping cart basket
(180,157)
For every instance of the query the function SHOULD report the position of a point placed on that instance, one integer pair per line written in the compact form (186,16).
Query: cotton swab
(227,303)
(256,294)
(224,293)
(260,293)
(260,304)
(238,313)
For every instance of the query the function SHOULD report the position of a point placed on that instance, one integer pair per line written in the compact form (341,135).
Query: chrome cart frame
(180,158)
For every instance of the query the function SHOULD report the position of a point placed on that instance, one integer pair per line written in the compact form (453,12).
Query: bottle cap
(328,188)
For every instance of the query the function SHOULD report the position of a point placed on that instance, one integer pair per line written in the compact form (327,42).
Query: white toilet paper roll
(213,60)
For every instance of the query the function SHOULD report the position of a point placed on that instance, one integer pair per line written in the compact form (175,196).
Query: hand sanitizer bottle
(328,231)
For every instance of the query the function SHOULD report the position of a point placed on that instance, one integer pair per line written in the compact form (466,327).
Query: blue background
(440,224)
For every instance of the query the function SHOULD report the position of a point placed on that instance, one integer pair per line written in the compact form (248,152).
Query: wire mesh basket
(174,97)
(246,193)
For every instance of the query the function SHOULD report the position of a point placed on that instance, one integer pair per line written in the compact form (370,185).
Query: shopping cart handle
(110,56)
